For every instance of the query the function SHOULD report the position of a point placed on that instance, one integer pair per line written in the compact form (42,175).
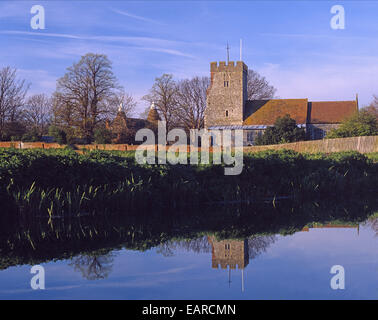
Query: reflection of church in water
(229,254)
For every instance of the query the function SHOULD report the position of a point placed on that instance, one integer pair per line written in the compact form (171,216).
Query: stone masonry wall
(227,94)
(319,131)
(229,253)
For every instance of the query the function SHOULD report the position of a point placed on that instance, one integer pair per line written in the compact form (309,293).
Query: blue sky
(290,43)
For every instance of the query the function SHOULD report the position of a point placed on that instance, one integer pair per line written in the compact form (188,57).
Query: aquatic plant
(63,183)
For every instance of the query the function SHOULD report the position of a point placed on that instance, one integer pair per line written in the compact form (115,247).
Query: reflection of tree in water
(92,266)
(198,245)
(259,244)
(373,224)
(256,245)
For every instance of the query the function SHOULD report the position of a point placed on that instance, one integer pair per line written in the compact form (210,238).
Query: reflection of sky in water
(292,267)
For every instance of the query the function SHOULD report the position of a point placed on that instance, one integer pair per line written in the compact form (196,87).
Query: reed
(64,184)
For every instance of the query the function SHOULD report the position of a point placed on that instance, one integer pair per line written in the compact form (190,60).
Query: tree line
(89,93)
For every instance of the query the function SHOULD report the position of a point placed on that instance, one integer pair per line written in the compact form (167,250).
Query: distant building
(333,226)
(228,107)
(123,128)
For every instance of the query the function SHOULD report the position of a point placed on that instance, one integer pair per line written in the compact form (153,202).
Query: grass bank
(61,183)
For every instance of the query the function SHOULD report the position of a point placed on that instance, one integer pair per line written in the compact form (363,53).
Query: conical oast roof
(153,116)
(120,122)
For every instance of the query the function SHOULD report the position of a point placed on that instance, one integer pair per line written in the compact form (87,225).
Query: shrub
(285,130)
(102,136)
(31,136)
(59,135)
(362,123)
(13,129)
(14,138)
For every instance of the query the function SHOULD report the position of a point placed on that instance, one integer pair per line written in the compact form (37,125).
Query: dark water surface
(284,251)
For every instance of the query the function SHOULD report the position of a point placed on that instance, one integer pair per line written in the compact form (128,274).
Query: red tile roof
(265,112)
(331,111)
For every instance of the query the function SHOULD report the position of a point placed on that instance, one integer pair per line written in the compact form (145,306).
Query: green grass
(63,183)
(373,156)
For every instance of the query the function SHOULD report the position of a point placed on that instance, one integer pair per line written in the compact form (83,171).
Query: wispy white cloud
(41,34)
(145,279)
(311,36)
(168,271)
(134,16)
(168,51)
(159,45)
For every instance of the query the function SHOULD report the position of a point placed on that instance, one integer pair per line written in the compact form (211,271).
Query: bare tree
(256,245)
(197,245)
(372,222)
(191,102)
(373,107)
(183,103)
(123,99)
(144,114)
(375,101)
(164,94)
(63,113)
(258,88)
(37,112)
(85,90)
(259,244)
(12,96)
(93,266)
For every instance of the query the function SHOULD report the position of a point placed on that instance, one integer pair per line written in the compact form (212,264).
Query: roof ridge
(334,101)
(277,99)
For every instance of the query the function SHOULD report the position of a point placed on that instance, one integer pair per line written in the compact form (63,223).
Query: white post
(243,280)
(241,46)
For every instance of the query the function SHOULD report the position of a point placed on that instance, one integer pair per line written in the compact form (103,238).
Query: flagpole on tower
(228,53)
(241,46)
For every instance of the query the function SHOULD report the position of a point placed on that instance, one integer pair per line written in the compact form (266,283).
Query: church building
(228,106)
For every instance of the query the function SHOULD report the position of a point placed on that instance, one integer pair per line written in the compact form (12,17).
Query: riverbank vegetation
(38,241)
(63,183)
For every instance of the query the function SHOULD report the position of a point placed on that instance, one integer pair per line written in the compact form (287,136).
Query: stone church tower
(227,94)
(229,253)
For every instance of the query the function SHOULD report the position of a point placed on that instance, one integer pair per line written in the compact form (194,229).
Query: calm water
(218,259)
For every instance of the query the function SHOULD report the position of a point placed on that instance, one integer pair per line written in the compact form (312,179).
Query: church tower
(227,94)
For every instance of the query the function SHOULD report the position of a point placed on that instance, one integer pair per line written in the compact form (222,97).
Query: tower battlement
(230,67)
(229,253)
